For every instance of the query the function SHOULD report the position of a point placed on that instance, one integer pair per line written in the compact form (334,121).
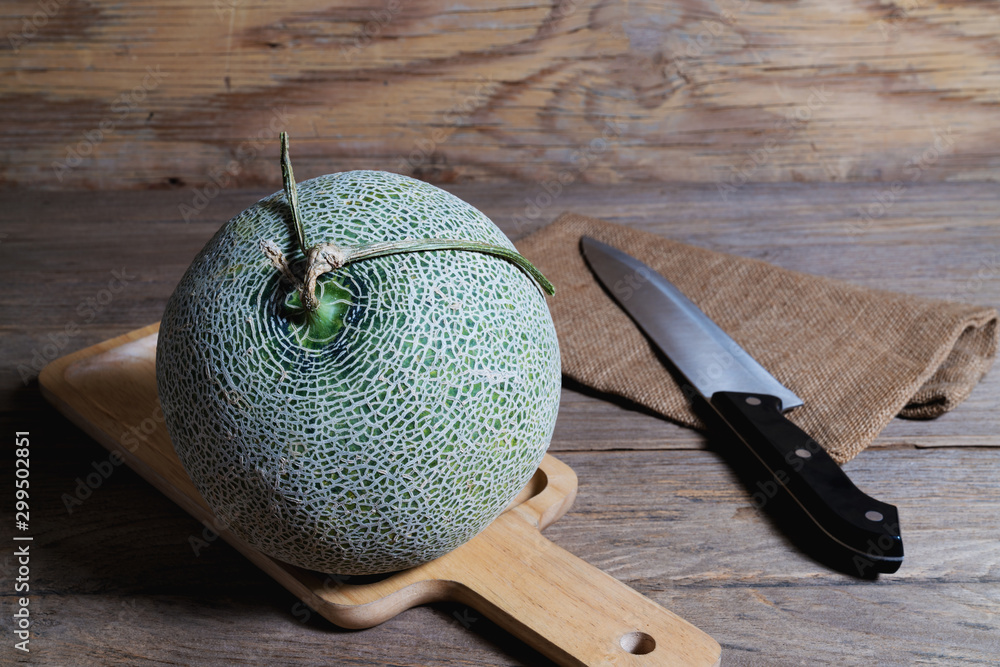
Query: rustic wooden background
(848,138)
(117,581)
(181,93)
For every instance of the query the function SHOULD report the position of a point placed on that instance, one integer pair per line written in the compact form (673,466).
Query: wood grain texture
(936,240)
(150,94)
(566,609)
(119,582)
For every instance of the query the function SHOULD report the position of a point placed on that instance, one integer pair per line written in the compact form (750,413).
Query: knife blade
(751,403)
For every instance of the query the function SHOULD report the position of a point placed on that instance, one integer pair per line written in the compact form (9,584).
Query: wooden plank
(183,92)
(96,631)
(768,626)
(946,500)
(558,604)
(120,569)
(119,582)
(937,240)
(943,604)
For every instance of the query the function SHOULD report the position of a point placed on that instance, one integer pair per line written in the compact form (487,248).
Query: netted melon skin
(398,440)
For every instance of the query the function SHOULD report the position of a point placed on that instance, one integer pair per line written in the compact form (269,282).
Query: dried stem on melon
(323,258)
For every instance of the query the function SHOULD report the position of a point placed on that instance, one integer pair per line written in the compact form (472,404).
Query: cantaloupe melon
(389,424)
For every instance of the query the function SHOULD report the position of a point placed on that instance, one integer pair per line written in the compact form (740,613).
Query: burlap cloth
(857,357)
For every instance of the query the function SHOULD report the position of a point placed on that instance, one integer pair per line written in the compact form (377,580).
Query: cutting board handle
(570,611)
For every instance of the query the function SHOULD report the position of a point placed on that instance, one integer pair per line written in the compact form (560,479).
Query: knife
(751,402)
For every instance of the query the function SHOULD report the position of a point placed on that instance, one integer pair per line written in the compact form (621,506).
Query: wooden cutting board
(565,608)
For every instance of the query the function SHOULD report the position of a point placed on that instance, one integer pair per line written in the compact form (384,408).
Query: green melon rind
(404,436)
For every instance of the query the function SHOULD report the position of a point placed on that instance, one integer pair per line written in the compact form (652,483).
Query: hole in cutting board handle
(637,643)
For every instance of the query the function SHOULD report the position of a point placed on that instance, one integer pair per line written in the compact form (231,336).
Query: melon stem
(323,258)
(292,194)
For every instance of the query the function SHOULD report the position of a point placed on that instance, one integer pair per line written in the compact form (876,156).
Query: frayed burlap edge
(856,356)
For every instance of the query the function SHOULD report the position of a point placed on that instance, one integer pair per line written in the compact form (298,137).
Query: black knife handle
(855,520)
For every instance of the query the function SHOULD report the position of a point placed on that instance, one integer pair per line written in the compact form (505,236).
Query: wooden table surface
(115,579)
(108,94)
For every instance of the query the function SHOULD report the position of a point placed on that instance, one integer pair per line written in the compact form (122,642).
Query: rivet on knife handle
(858,522)
(751,401)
